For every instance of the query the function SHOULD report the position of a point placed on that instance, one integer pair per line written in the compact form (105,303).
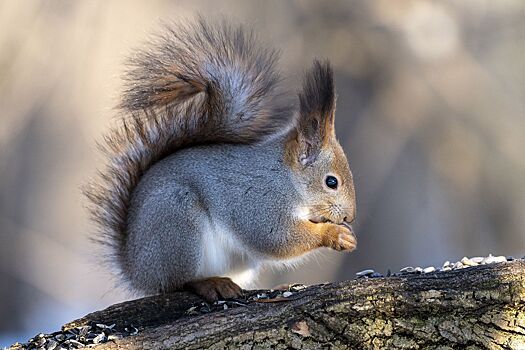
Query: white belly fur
(223,255)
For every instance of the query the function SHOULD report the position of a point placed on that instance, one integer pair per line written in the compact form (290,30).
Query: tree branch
(478,307)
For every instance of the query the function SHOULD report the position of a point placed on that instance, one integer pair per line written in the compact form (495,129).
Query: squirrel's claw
(214,288)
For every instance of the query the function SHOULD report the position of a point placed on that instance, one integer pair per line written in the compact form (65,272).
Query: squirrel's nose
(349,219)
(351,215)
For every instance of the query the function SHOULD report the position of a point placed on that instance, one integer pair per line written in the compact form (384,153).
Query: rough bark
(481,307)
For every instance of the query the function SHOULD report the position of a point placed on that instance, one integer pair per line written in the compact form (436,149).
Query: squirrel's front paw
(341,237)
(346,241)
(213,288)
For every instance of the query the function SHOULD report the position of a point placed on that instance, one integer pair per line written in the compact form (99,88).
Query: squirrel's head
(319,164)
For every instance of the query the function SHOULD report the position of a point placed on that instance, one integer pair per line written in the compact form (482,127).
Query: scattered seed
(494,259)
(132,330)
(99,338)
(408,269)
(114,337)
(51,344)
(76,343)
(429,269)
(297,287)
(467,262)
(364,273)
(457,265)
(192,311)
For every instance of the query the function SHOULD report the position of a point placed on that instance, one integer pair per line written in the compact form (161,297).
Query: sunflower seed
(84,331)
(51,344)
(468,262)
(99,338)
(477,259)
(76,343)
(297,287)
(457,265)
(494,259)
(103,326)
(429,269)
(364,273)
(133,330)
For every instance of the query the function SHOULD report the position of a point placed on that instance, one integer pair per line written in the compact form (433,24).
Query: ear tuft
(318,95)
(315,125)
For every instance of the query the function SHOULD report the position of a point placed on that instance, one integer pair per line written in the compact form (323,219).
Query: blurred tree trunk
(476,308)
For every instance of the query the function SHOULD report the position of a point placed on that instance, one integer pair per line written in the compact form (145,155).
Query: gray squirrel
(214,170)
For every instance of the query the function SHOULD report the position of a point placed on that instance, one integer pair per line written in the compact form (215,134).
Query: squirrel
(215,169)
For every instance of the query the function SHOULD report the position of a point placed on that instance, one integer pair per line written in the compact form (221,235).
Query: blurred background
(431,113)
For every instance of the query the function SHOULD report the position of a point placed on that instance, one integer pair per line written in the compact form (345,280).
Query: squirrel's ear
(315,125)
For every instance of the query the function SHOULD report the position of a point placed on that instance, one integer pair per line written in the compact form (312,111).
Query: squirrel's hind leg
(165,245)
(164,238)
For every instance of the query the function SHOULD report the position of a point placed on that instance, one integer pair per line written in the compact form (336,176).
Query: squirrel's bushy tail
(197,83)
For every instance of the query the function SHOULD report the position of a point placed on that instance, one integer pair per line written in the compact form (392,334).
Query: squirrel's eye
(331,181)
